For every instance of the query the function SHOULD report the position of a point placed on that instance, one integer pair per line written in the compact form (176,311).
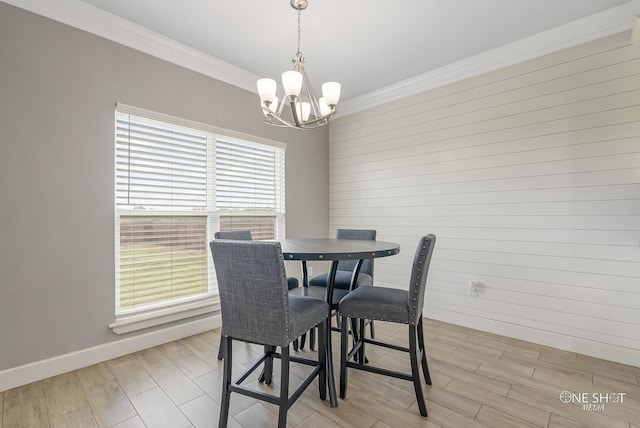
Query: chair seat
(376,303)
(305,313)
(343,280)
(319,293)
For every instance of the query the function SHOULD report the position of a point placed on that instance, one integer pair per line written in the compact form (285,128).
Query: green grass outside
(152,274)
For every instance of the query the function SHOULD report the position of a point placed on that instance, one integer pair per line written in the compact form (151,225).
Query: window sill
(132,322)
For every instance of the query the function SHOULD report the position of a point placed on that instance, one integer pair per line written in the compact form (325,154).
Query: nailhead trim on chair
(289,339)
(285,295)
(418,280)
(415,292)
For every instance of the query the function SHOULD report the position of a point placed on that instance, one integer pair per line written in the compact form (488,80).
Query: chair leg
(322,360)
(312,339)
(226,381)
(344,334)
(361,357)
(303,339)
(357,332)
(373,333)
(415,369)
(267,372)
(355,336)
(425,366)
(284,387)
(221,348)
(295,345)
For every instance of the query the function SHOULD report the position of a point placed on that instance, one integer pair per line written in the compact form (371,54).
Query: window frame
(156,314)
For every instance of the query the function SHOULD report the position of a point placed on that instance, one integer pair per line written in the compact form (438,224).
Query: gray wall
(58,88)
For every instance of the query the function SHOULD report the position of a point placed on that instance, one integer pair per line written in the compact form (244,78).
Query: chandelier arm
(281,123)
(281,106)
(320,119)
(270,117)
(278,121)
(313,99)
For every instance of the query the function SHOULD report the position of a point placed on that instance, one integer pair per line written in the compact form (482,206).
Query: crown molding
(593,27)
(94,20)
(101,23)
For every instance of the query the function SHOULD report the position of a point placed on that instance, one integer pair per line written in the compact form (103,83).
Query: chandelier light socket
(266,90)
(331,93)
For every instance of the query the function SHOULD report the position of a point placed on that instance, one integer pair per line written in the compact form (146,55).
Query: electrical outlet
(473,288)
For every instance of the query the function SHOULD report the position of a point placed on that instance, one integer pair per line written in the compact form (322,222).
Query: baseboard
(591,348)
(39,370)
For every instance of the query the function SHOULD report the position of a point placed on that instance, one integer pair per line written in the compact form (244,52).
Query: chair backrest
(253,290)
(419,272)
(362,234)
(237,235)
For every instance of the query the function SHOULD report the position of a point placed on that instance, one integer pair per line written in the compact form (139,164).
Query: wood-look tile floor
(479,380)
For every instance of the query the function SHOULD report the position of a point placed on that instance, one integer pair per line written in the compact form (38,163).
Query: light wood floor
(479,380)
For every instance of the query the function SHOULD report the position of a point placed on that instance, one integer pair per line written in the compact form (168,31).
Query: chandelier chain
(298,30)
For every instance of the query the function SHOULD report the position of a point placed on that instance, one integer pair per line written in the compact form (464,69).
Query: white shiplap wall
(530,178)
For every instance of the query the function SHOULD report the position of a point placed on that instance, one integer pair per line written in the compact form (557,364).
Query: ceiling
(363,44)
(375,48)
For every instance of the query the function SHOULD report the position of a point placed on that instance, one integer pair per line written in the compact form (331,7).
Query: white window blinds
(176,186)
(159,165)
(250,188)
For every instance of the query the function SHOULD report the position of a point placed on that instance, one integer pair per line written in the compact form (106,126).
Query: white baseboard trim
(591,348)
(39,370)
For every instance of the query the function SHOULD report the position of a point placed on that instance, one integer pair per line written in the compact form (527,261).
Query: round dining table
(334,250)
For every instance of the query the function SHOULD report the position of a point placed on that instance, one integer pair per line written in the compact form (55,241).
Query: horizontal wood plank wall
(530,178)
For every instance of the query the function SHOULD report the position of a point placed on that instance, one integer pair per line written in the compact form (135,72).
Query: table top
(336,249)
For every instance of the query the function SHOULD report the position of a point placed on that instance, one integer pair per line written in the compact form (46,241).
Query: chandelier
(304,109)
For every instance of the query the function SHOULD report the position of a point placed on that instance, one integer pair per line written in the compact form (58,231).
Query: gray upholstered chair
(236,235)
(344,276)
(245,235)
(257,308)
(345,270)
(393,305)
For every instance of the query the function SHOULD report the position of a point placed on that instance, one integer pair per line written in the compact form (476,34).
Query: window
(175,186)
(248,179)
